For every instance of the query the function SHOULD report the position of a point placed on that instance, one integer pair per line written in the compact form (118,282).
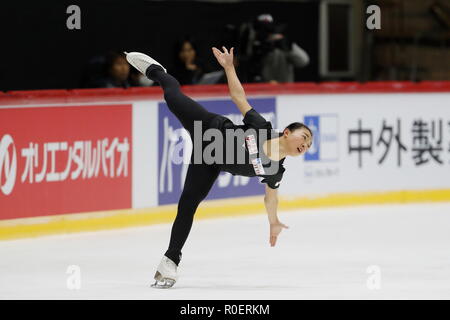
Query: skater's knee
(190,199)
(172,91)
(171,85)
(196,193)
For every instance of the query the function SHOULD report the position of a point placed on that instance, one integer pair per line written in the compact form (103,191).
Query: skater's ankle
(176,258)
(152,70)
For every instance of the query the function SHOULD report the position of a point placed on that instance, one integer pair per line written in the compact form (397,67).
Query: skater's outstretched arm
(237,92)
(271,204)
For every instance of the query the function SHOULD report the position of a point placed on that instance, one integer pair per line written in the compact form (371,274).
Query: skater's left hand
(275,230)
(225,58)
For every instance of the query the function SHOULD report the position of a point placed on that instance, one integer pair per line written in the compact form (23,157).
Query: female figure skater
(264,151)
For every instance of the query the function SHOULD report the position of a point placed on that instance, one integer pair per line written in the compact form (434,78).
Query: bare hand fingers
(232,50)
(273,240)
(225,50)
(216,51)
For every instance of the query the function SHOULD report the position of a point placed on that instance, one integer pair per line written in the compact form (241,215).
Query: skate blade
(163,284)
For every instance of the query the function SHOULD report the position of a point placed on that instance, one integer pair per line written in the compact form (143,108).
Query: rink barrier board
(33,97)
(99,221)
(103,220)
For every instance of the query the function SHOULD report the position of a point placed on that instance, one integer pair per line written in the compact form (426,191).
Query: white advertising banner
(368,142)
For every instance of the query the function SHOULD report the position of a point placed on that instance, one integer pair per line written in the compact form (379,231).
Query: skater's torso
(243,152)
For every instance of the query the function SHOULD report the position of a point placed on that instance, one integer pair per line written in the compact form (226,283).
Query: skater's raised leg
(183,107)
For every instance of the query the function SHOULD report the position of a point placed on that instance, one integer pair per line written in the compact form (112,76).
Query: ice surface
(323,255)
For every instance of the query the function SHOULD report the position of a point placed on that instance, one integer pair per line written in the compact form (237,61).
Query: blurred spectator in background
(188,68)
(266,54)
(110,71)
(137,79)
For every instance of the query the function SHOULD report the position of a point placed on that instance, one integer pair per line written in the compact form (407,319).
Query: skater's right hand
(275,230)
(224,58)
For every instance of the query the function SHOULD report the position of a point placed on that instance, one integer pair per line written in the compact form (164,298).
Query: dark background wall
(39,52)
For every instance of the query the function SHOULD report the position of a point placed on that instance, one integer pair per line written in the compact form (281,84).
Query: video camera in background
(266,54)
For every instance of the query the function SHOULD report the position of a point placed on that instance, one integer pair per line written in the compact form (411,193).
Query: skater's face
(297,142)
(120,69)
(187,52)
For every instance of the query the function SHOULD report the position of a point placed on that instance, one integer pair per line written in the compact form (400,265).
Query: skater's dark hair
(298,125)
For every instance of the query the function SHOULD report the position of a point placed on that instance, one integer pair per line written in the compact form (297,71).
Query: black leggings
(200,177)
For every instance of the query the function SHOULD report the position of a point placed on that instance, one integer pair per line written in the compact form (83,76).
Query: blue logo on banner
(314,152)
(325,131)
(175,148)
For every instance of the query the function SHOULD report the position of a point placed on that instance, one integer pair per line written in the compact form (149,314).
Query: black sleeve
(273,181)
(254,119)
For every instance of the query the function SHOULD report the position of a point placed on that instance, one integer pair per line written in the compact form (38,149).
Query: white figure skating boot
(141,61)
(166,274)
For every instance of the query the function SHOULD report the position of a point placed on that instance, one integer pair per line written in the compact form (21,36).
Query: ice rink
(325,254)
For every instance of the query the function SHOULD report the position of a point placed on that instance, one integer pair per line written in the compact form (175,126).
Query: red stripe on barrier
(140,93)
